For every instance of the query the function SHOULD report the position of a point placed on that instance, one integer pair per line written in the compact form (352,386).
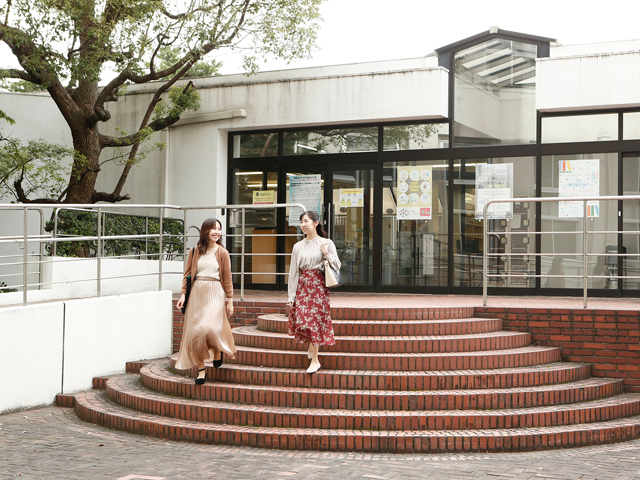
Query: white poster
(414,192)
(494,181)
(351,197)
(578,178)
(307,190)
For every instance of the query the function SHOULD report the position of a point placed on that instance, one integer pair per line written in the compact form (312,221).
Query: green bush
(80,223)
(6,290)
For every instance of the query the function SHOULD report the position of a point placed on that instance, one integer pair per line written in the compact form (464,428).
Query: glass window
(477,181)
(255,145)
(631,223)
(333,140)
(251,187)
(577,175)
(495,87)
(582,128)
(352,228)
(414,223)
(412,137)
(631,130)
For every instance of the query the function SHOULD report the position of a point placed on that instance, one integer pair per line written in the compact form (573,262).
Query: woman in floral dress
(309,308)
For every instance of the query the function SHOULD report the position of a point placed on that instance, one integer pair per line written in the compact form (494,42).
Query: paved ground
(53,443)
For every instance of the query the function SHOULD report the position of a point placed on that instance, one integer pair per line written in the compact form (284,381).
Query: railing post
(40,264)
(160,252)
(242,261)
(25,257)
(55,231)
(584,253)
(146,239)
(99,253)
(185,252)
(485,262)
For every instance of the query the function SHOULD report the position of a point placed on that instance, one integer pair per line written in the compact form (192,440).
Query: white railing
(486,254)
(100,238)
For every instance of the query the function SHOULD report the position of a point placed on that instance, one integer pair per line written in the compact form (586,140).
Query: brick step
(386,380)
(160,379)
(380,328)
(252,337)
(400,313)
(94,407)
(517,357)
(125,390)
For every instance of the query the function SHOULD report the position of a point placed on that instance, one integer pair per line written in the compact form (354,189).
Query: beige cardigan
(224,263)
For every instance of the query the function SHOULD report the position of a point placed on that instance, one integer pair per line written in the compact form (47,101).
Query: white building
(500,113)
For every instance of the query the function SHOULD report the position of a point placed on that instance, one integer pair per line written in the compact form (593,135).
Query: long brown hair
(206,227)
(314,217)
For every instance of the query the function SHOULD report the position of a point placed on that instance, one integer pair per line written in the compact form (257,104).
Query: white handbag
(332,277)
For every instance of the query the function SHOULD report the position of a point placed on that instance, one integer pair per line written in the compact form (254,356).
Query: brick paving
(53,443)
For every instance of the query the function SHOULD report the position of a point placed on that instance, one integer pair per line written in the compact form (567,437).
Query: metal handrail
(100,238)
(585,232)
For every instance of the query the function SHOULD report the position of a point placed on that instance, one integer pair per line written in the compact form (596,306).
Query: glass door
(351,222)
(304,185)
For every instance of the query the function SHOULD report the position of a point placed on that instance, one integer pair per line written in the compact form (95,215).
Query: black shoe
(218,363)
(200,381)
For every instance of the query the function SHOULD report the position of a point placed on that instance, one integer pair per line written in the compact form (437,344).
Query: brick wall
(607,339)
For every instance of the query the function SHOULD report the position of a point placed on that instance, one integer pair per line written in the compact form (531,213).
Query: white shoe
(314,367)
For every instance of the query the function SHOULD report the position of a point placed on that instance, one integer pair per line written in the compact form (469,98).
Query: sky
(366,30)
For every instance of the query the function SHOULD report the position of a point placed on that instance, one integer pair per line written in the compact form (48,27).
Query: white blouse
(307,255)
(208,265)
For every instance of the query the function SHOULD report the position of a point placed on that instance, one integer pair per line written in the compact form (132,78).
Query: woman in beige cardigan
(207,333)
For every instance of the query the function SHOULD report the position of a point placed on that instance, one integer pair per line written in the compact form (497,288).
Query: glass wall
(476,181)
(495,86)
(415,223)
(253,187)
(580,128)
(333,140)
(255,145)
(413,137)
(352,227)
(578,175)
(630,223)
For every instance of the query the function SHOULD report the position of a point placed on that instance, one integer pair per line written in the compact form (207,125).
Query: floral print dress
(310,316)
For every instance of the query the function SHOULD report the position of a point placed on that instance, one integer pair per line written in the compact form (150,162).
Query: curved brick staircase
(446,383)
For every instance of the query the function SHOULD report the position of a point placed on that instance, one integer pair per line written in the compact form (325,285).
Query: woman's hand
(325,249)
(180,302)
(230,308)
(288,308)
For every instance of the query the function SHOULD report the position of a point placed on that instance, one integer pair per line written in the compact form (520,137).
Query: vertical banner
(578,178)
(428,257)
(352,197)
(493,182)
(414,193)
(307,190)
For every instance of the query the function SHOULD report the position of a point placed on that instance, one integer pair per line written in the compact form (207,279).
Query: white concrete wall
(60,347)
(75,278)
(588,81)
(31,352)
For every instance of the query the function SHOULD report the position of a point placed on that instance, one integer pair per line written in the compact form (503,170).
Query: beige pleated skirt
(206,327)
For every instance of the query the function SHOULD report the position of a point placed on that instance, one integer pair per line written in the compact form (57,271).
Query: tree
(171,55)
(65,45)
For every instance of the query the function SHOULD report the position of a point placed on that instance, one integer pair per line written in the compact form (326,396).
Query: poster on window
(264,197)
(578,178)
(307,190)
(494,181)
(414,193)
(351,197)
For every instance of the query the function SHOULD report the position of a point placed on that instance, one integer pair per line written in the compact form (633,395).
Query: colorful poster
(264,197)
(579,178)
(494,181)
(307,190)
(414,192)
(351,197)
